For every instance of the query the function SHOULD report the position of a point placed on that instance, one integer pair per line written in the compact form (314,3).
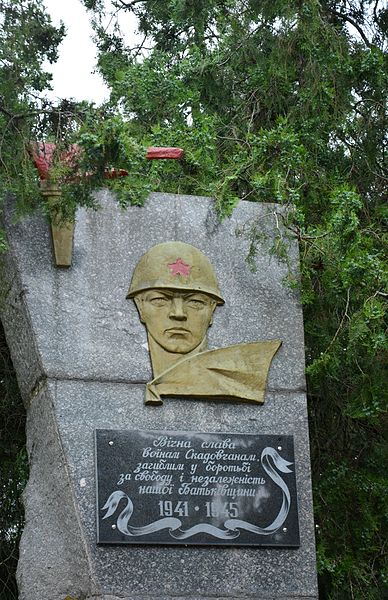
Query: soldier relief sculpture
(176,293)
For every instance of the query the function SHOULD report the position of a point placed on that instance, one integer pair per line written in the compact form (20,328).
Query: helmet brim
(191,289)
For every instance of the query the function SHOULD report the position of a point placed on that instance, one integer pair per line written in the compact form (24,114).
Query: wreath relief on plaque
(176,293)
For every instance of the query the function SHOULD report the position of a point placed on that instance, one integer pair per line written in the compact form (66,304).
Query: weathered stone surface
(213,597)
(54,553)
(17,324)
(75,333)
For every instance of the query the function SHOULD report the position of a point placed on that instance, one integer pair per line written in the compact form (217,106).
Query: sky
(73,75)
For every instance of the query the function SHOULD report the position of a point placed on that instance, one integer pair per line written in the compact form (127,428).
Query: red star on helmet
(179,268)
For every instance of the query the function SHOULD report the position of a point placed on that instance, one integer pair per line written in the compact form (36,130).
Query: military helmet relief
(176,291)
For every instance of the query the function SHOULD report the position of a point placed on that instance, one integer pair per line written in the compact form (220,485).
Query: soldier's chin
(179,348)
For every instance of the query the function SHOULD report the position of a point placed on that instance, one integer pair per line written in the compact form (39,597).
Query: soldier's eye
(198,304)
(159,301)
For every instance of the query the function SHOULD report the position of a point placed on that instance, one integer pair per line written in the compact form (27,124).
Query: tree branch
(354,24)
(341,323)
(129,4)
(36,113)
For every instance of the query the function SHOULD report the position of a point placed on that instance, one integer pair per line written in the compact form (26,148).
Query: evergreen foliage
(278,101)
(27,38)
(272,101)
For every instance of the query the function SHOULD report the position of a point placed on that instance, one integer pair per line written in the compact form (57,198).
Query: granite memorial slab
(82,357)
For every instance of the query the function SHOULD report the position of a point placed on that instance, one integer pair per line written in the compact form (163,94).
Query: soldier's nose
(177,310)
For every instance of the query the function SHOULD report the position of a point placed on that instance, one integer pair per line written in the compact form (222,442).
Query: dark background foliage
(272,101)
(13,471)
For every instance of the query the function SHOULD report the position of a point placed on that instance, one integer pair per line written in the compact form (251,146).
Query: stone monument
(203,491)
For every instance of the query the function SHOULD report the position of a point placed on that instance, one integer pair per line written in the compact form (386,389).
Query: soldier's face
(177,321)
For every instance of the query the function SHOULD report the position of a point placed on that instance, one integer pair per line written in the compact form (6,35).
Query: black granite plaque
(179,487)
